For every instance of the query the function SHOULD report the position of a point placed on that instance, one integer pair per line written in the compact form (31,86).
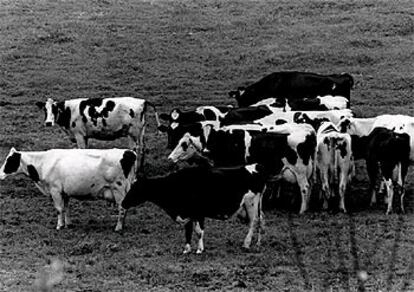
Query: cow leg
(188,227)
(304,188)
(342,191)
(199,229)
(325,190)
(372,168)
(81,141)
(251,201)
(60,207)
(402,199)
(390,194)
(261,227)
(68,221)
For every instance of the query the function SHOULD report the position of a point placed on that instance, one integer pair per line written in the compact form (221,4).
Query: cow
(176,118)
(319,103)
(313,118)
(286,151)
(361,129)
(388,153)
(294,85)
(85,174)
(192,194)
(100,118)
(334,164)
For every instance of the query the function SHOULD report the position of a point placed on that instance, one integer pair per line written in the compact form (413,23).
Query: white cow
(334,163)
(79,173)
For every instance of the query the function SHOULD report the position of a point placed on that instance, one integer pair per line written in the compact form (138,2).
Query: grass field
(183,54)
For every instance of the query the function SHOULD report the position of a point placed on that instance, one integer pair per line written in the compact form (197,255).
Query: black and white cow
(294,85)
(334,163)
(84,174)
(177,118)
(362,133)
(192,194)
(286,151)
(100,118)
(388,153)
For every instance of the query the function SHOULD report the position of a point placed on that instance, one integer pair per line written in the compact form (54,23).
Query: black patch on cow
(119,183)
(92,103)
(131,113)
(104,122)
(109,106)
(280,122)
(327,142)
(342,149)
(33,174)
(306,149)
(12,163)
(144,110)
(92,185)
(291,156)
(73,124)
(127,162)
(209,114)
(63,115)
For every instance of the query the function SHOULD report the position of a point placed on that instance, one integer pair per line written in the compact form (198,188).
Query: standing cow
(100,118)
(286,151)
(293,85)
(334,163)
(79,173)
(192,194)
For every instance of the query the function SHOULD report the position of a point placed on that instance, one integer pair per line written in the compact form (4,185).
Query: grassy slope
(187,53)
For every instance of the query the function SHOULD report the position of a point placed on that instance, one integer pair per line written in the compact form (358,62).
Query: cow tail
(157,119)
(334,167)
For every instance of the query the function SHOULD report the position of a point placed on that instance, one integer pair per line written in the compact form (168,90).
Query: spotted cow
(100,118)
(334,164)
(286,151)
(85,174)
(192,194)
(293,85)
(381,142)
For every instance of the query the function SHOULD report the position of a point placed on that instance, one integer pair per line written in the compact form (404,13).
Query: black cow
(286,151)
(192,194)
(388,152)
(293,85)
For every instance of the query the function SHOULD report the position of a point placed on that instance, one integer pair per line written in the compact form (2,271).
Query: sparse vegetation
(184,54)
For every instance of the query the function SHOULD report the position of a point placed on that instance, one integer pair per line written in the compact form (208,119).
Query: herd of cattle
(291,126)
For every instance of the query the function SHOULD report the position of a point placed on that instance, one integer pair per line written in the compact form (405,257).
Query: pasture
(184,54)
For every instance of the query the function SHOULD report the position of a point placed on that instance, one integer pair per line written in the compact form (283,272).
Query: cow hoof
(118,229)
(187,249)
(69,226)
(199,251)
(60,227)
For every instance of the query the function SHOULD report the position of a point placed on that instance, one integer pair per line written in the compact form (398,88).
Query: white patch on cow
(174,125)
(50,118)
(241,92)
(175,114)
(333,102)
(287,106)
(266,101)
(333,86)
(247,144)
(251,168)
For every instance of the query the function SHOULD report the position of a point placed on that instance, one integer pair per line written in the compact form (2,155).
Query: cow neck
(363,126)
(35,158)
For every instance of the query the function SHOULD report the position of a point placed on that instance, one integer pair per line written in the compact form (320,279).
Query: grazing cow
(80,173)
(177,118)
(192,194)
(286,151)
(100,118)
(388,152)
(294,85)
(334,163)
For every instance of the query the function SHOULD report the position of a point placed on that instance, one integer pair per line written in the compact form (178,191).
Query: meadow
(184,54)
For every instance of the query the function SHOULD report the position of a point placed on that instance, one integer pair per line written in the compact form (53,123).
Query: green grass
(184,54)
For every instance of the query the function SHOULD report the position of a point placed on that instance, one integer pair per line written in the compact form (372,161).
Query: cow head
(186,148)
(12,165)
(51,110)
(238,95)
(137,194)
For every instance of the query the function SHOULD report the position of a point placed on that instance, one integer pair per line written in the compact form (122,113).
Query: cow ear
(163,128)
(40,104)
(165,117)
